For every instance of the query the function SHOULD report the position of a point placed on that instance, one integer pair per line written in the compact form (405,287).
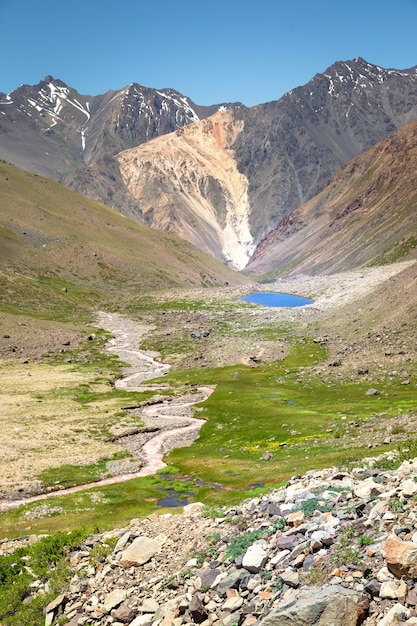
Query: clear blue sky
(214,51)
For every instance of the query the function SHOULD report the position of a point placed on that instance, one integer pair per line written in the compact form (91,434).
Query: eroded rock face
(188,182)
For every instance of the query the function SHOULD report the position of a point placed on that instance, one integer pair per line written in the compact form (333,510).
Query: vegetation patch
(43,562)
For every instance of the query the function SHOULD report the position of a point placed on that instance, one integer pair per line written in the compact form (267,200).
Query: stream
(171,419)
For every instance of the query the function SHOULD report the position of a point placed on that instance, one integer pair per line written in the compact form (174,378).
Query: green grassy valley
(292,390)
(278,407)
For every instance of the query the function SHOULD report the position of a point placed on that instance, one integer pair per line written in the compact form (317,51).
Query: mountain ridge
(364,215)
(87,126)
(282,154)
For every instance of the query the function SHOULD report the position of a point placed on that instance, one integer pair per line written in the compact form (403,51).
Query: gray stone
(331,606)
(254,558)
(140,551)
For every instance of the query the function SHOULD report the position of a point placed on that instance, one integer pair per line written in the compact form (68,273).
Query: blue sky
(213,51)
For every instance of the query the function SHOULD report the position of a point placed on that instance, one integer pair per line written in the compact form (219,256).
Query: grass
(60,416)
(282,410)
(71,475)
(261,425)
(44,561)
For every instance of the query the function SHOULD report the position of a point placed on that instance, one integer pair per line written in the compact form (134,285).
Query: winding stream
(176,427)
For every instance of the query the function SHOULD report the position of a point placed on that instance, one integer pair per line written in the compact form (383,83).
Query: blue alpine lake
(266,298)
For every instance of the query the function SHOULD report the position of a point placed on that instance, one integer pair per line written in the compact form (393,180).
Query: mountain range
(222,176)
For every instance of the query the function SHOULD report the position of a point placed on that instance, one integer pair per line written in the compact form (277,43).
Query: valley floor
(32,444)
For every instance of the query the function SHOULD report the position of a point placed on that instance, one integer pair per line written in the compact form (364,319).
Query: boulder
(140,551)
(254,558)
(400,557)
(114,598)
(331,606)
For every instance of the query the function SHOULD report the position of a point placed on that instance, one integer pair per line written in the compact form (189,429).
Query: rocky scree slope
(188,183)
(331,548)
(365,215)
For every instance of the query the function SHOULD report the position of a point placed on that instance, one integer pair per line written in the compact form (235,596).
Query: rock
(197,610)
(233,603)
(124,614)
(54,609)
(372,587)
(367,488)
(140,551)
(286,543)
(295,518)
(149,605)
(372,392)
(208,576)
(393,589)
(331,606)
(254,558)
(408,487)
(397,613)
(401,557)
(114,598)
(290,578)
(320,538)
(142,620)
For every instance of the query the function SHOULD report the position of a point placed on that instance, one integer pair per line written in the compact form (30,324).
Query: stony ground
(331,548)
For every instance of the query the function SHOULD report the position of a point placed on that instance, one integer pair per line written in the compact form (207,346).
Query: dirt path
(176,426)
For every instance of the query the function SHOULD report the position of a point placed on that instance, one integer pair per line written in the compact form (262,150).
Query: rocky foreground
(330,548)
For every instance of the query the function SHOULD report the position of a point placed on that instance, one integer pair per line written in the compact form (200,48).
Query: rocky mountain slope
(331,548)
(188,182)
(59,246)
(291,147)
(365,215)
(284,152)
(51,129)
(225,190)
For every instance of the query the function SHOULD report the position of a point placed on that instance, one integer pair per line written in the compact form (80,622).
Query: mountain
(188,182)
(366,215)
(59,250)
(252,167)
(51,129)
(222,181)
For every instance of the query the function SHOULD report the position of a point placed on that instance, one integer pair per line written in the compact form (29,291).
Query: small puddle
(174,499)
(216,486)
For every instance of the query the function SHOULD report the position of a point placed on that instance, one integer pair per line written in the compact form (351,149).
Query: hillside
(225,182)
(188,182)
(62,255)
(364,216)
